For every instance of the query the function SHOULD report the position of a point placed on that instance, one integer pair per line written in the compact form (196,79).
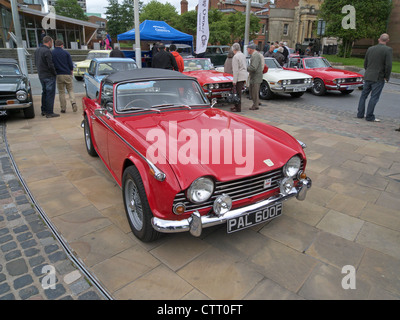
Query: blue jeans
(375,88)
(48,94)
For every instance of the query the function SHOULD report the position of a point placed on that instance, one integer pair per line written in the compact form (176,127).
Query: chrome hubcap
(134,205)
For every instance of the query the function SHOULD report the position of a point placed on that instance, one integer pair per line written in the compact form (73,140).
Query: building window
(285,29)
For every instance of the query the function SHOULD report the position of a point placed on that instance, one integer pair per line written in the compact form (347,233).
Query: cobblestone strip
(33,264)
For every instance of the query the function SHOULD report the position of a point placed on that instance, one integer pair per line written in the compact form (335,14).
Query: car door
(100,121)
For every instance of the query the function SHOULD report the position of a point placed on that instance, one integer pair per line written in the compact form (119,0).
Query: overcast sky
(98,6)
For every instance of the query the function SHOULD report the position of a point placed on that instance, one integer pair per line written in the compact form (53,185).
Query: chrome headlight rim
(21,95)
(205,184)
(292,167)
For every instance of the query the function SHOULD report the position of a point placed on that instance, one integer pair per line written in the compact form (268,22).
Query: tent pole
(138,53)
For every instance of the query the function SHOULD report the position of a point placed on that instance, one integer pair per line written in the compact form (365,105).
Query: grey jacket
(255,68)
(378,63)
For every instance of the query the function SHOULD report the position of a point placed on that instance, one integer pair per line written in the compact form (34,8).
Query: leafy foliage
(71,9)
(370,16)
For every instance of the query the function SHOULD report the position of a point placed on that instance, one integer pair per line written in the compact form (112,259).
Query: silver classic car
(102,67)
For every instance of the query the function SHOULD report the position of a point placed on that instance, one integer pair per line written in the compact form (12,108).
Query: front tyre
(318,88)
(88,138)
(136,206)
(265,91)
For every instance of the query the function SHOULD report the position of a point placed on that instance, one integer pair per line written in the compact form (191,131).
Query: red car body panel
(328,74)
(211,77)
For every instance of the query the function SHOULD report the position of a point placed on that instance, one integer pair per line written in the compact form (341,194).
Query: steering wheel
(139,103)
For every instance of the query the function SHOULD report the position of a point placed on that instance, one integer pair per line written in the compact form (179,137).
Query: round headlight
(216,86)
(211,86)
(284,82)
(22,95)
(222,204)
(288,82)
(286,186)
(200,190)
(291,168)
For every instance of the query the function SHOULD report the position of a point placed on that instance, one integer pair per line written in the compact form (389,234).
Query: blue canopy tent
(151,30)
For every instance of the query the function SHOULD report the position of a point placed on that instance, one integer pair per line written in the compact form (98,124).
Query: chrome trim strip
(173,226)
(158,174)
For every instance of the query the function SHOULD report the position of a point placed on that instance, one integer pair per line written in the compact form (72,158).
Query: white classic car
(278,80)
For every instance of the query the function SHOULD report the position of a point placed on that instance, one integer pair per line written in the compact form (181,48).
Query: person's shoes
(62,111)
(74,107)
(397,129)
(43,114)
(254,108)
(359,117)
(52,115)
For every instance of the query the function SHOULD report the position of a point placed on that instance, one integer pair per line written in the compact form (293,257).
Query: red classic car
(184,165)
(215,84)
(326,78)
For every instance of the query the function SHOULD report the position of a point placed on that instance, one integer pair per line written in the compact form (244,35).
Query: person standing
(163,59)
(178,58)
(116,52)
(270,52)
(279,56)
(378,67)
(240,74)
(228,62)
(47,76)
(64,67)
(255,70)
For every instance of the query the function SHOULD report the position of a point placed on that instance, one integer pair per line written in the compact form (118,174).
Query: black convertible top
(145,74)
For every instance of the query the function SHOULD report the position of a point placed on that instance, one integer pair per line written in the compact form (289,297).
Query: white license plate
(254,218)
(299,89)
(352,87)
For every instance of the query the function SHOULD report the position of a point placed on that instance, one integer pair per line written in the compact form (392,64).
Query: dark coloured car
(217,54)
(15,89)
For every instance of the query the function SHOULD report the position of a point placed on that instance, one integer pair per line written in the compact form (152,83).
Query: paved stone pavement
(29,252)
(350,217)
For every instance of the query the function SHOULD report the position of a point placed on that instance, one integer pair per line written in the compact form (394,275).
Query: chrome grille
(7,95)
(297,81)
(350,80)
(237,189)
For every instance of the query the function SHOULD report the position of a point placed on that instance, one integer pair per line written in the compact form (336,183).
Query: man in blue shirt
(64,68)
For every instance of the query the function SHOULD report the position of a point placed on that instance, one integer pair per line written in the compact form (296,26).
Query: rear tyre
(137,207)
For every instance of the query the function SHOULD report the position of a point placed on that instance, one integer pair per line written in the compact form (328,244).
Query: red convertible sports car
(184,165)
(215,84)
(326,78)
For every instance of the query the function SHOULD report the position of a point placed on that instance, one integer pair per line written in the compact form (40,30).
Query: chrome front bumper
(344,86)
(22,105)
(195,223)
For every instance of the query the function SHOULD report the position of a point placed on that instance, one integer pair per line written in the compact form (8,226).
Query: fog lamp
(286,186)
(222,204)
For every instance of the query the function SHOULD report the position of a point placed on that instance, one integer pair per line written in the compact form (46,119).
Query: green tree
(158,11)
(371,19)
(120,17)
(71,9)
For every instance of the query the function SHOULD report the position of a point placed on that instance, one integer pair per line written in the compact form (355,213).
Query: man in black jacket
(378,68)
(164,60)
(116,52)
(47,76)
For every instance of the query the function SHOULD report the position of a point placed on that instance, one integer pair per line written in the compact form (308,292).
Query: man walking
(239,74)
(255,70)
(64,68)
(163,59)
(47,76)
(378,67)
